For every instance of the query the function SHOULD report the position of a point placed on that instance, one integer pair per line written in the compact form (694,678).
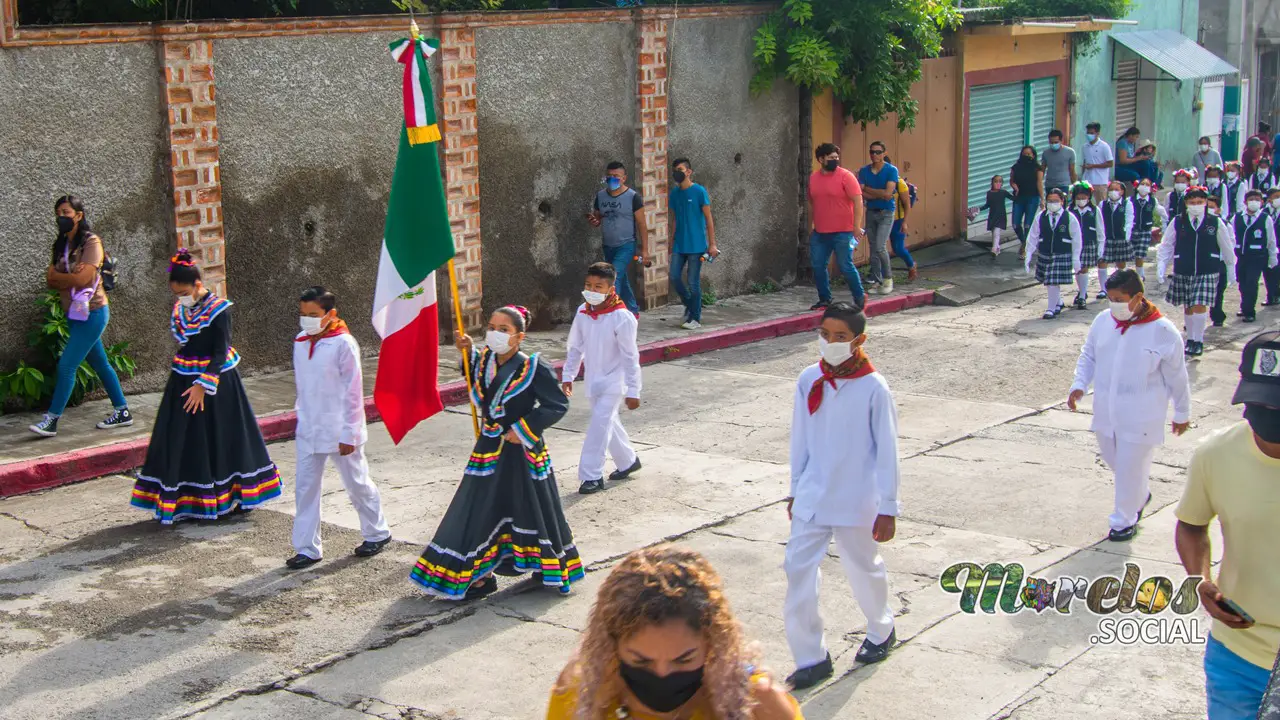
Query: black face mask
(661,694)
(1264,421)
(831,165)
(679,176)
(65,224)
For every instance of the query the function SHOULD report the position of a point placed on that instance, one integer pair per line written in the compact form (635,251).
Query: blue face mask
(1055,146)
(1092,136)
(613,183)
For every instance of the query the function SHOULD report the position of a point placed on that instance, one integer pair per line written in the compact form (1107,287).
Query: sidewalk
(81,452)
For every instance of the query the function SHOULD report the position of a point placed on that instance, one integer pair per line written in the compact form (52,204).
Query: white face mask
(187,301)
(1232,175)
(1204,148)
(1082,203)
(834,353)
(1144,190)
(1254,205)
(1263,172)
(1213,212)
(1212,182)
(1054,207)
(1114,195)
(1180,187)
(593,298)
(499,342)
(1195,212)
(311,325)
(1121,311)
(1276,203)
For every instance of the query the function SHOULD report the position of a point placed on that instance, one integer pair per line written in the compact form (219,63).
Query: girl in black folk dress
(505,517)
(997,218)
(206,456)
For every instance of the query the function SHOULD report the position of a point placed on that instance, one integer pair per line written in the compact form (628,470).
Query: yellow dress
(564,703)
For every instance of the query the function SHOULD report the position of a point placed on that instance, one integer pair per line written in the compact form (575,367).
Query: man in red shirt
(835,219)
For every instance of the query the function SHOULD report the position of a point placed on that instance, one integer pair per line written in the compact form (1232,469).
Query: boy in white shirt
(604,335)
(1133,358)
(331,426)
(844,483)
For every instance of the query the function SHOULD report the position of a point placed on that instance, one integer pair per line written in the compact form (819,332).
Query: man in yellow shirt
(1235,476)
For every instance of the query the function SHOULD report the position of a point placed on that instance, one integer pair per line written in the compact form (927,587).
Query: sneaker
(871,653)
(117,419)
(812,675)
(48,427)
(591,487)
(369,548)
(624,474)
(300,561)
(820,305)
(886,287)
(692,325)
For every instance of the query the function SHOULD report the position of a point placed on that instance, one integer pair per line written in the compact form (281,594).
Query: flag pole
(466,356)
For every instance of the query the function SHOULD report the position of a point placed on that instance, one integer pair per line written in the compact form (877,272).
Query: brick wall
(193,140)
(462,165)
(651,137)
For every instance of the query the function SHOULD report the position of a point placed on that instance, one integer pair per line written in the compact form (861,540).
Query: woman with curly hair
(661,642)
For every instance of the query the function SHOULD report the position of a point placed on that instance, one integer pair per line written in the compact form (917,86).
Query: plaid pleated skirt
(1189,290)
(1055,269)
(1118,251)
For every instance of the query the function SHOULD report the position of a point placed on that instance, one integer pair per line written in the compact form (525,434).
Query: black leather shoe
(300,561)
(820,305)
(1081,303)
(624,474)
(1197,349)
(369,548)
(1101,296)
(591,487)
(812,675)
(1123,535)
(1249,318)
(871,653)
(507,568)
(482,589)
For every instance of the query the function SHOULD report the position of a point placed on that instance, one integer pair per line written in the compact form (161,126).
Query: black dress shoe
(1197,349)
(1271,303)
(300,561)
(591,487)
(1123,535)
(369,548)
(1081,303)
(624,474)
(481,589)
(820,305)
(812,675)
(871,653)
(1101,296)
(507,568)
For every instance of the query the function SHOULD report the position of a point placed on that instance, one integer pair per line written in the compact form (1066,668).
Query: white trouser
(605,432)
(354,470)
(1131,463)
(860,556)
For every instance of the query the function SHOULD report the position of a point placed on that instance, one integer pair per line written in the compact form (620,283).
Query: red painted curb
(26,476)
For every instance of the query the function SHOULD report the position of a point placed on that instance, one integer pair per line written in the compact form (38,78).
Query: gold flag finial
(414,32)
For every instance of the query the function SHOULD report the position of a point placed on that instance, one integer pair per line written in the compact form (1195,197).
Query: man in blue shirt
(693,233)
(879,182)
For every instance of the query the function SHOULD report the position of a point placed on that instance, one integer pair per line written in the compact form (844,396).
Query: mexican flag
(416,241)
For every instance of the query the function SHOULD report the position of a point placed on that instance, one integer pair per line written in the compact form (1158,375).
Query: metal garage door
(1044,110)
(997,125)
(1126,95)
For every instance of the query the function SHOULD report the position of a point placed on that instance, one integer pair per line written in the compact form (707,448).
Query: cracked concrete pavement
(103,614)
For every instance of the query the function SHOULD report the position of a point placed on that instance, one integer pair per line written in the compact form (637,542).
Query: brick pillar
(193,145)
(462,165)
(652,97)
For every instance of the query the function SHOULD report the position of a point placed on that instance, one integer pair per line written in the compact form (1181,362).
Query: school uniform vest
(1177,203)
(1219,192)
(1233,194)
(1251,237)
(1144,213)
(1196,252)
(1054,241)
(1264,185)
(1113,220)
(1088,219)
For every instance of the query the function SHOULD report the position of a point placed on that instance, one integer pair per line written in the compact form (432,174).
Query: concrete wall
(743,149)
(308,127)
(86,120)
(1172,124)
(555,103)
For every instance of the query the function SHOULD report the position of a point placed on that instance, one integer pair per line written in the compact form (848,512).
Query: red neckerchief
(855,367)
(336,328)
(1149,313)
(610,304)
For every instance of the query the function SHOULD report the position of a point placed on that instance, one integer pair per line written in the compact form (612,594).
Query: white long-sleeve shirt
(330,386)
(1077,237)
(844,457)
(1169,243)
(608,345)
(1269,239)
(1136,375)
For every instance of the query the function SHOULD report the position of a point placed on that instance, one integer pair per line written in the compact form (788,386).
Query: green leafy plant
(32,385)
(766,286)
(867,52)
(708,293)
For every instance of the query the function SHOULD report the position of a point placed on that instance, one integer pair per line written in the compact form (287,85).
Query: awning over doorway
(1175,54)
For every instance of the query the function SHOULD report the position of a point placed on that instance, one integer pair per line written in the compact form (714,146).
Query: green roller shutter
(997,120)
(1044,110)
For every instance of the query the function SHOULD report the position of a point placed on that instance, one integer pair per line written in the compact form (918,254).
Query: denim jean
(691,295)
(898,239)
(1234,686)
(879,225)
(1024,211)
(821,245)
(620,258)
(1138,170)
(85,343)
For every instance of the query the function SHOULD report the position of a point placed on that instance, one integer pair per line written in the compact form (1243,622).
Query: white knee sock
(1195,326)
(1082,285)
(1102,279)
(1142,272)
(995,241)
(1055,297)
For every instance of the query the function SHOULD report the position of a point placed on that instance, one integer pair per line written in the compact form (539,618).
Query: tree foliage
(867,52)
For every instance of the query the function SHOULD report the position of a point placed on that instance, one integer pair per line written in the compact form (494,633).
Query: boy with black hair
(844,483)
(1255,235)
(331,426)
(1129,410)
(618,210)
(1197,244)
(693,235)
(604,335)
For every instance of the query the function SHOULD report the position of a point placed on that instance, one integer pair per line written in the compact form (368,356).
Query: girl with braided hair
(505,517)
(661,642)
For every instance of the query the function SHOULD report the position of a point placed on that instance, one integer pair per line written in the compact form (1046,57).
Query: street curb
(25,476)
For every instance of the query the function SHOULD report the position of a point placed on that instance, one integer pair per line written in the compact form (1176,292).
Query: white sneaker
(886,287)
(692,325)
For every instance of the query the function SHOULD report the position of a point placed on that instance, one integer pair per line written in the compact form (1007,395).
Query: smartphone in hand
(1230,606)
